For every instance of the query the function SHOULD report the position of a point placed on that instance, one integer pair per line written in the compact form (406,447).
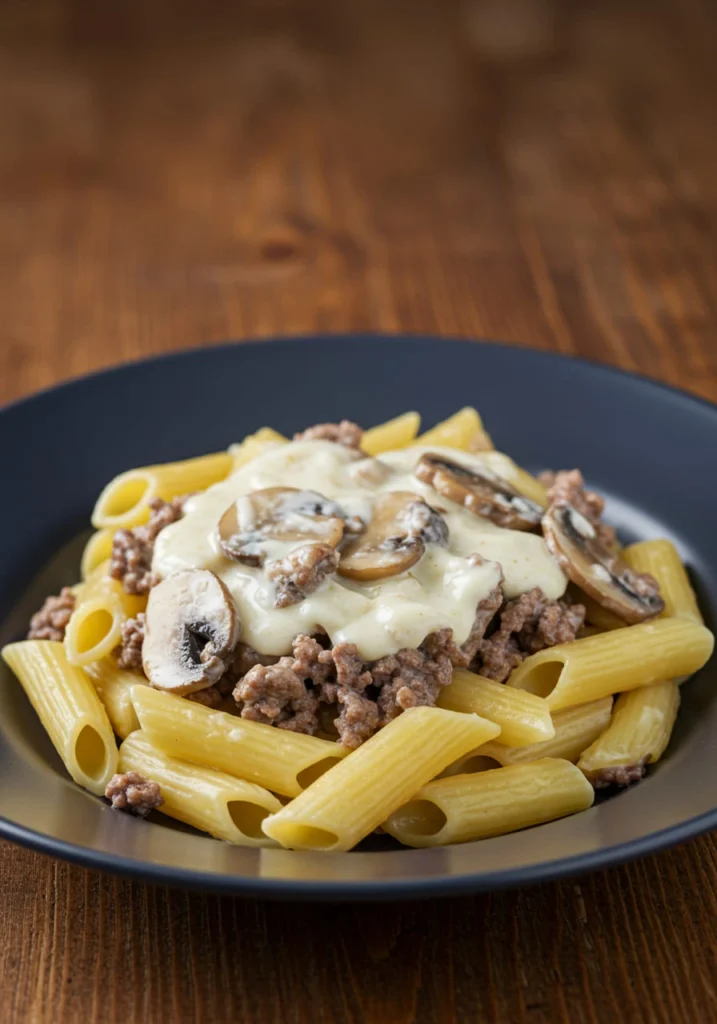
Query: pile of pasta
(490,759)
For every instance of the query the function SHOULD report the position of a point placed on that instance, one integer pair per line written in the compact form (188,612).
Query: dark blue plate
(647,447)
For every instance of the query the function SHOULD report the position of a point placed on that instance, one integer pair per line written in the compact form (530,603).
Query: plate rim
(416,886)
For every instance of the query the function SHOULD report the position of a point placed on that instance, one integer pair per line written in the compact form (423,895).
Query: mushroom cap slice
(395,539)
(278,514)
(480,491)
(574,541)
(191,627)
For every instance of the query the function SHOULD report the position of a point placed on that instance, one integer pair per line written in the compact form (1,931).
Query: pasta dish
(302,642)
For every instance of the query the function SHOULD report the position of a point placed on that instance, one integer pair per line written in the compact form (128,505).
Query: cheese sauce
(442,589)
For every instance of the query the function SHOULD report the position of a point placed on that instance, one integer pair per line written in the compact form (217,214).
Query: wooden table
(172,175)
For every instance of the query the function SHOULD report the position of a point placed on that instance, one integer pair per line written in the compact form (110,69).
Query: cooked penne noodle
(598,616)
(99,583)
(252,445)
(661,560)
(463,430)
(640,730)
(225,807)
(575,729)
(97,552)
(356,795)
(114,688)
(124,502)
(463,808)
(94,629)
(522,721)
(69,709)
(596,666)
(284,762)
(394,434)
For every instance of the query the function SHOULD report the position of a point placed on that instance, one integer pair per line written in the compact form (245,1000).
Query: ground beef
(301,572)
(132,550)
(245,658)
(51,621)
(345,432)
(568,485)
(277,695)
(528,624)
(620,775)
(129,652)
(132,792)
(212,697)
(463,656)
(296,692)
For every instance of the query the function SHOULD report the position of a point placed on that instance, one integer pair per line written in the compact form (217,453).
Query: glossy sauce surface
(442,589)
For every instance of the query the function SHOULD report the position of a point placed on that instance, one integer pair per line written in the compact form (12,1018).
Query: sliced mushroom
(278,514)
(480,491)
(191,628)
(573,539)
(395,538)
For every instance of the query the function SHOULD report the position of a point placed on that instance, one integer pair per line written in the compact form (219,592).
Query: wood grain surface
(539,172)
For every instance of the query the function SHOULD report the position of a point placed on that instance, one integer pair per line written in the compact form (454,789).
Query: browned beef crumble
(345,432)
(129,652)
(568,485)
(212,697)
(131,792)
(51,620)
(245,658)
(528,624)
(367,695)
(619,775)
(132,550)
(301,572)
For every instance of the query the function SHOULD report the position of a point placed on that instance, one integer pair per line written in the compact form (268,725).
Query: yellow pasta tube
(124,502)
(394,434)
(99,583)
(463,430)
(468,807)
(575,729)
(97,552)
(253,445)
(522,721)
(356,795)
(640,729)
(69,709)
(114,688)
(661,560)
(596,666)
(282,761)
(212,801)
(598,616)
(94,629)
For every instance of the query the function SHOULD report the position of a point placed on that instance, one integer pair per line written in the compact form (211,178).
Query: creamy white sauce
(380,616)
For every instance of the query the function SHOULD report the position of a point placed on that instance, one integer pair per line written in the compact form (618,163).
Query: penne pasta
(97,552)
(640,730)
(624,659)
(69,709)
(124,502)
(253,445)
(522,721)
(575,729)
(114,688)
(284,762)
(99,583)
(94,629)
(394,434)
(598,616)
(661,560)
(225,807)
(346,803)
(463,430)
(469,807)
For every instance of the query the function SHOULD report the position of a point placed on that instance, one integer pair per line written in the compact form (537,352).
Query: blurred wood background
(539,172)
